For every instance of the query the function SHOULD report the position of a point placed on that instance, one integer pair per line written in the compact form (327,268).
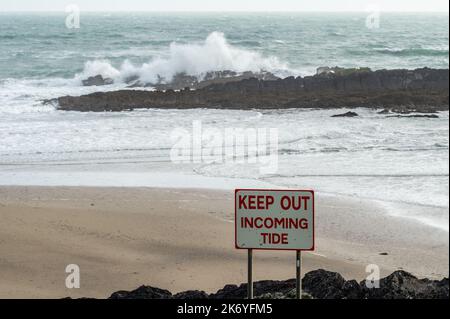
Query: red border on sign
(275,190)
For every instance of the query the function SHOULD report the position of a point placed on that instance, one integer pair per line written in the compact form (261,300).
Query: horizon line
(218,11)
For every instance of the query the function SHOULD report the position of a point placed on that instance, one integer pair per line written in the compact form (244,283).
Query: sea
(400,162)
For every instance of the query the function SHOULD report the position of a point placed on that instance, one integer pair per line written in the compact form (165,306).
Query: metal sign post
(250,274)
(274,220)
(299,274)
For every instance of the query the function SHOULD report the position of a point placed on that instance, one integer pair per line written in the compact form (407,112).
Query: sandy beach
(182,239)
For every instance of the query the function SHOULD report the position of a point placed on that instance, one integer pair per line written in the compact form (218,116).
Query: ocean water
(396,161)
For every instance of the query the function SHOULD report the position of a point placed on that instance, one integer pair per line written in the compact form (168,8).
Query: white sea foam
(98,67)
(214,54)
(22,96)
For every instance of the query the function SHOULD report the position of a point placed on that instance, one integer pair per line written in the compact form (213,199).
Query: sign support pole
(299,275)
(264,205)
(250,274)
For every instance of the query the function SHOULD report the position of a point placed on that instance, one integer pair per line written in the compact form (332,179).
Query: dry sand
(184,239)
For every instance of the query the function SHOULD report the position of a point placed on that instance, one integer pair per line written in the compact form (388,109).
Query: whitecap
(213,54)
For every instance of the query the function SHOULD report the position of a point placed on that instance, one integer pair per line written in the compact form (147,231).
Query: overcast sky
(225,5)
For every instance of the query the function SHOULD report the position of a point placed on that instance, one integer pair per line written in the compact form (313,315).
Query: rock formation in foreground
(319,284)
(422,90)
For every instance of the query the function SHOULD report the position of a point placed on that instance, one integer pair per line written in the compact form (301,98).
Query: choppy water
(389,159)
(40,45)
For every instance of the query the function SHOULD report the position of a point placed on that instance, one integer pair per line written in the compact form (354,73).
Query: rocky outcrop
(191,294)
(319,284)
(340,71)
(143,292)
(417,90)
(259,288)
(182,81)
(428,116)
(348,114)
(402,285)
(323,284)
(97,81)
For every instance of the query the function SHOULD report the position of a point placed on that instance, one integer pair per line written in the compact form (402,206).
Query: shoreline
(172,238)
(14,176)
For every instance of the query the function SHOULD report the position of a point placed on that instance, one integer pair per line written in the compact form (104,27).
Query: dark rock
(273,296)
(191,294)
(182,81)
(340,71)
(402,110)
(262,287)
(292,294)
(259,288)
(143,292)
(418,91)
(428,116)
(348,114)
(443,287)
(133,79)
(352,290)
(322,284)
(409,110)
(319,284)
(231,292)
(97,80)
(403,285)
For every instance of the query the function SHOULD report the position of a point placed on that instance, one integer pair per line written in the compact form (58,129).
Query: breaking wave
(213,54)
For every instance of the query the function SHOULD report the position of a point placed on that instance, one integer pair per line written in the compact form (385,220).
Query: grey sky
(226,5)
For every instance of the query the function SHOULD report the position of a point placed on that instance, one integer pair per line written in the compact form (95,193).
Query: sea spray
(213,54)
